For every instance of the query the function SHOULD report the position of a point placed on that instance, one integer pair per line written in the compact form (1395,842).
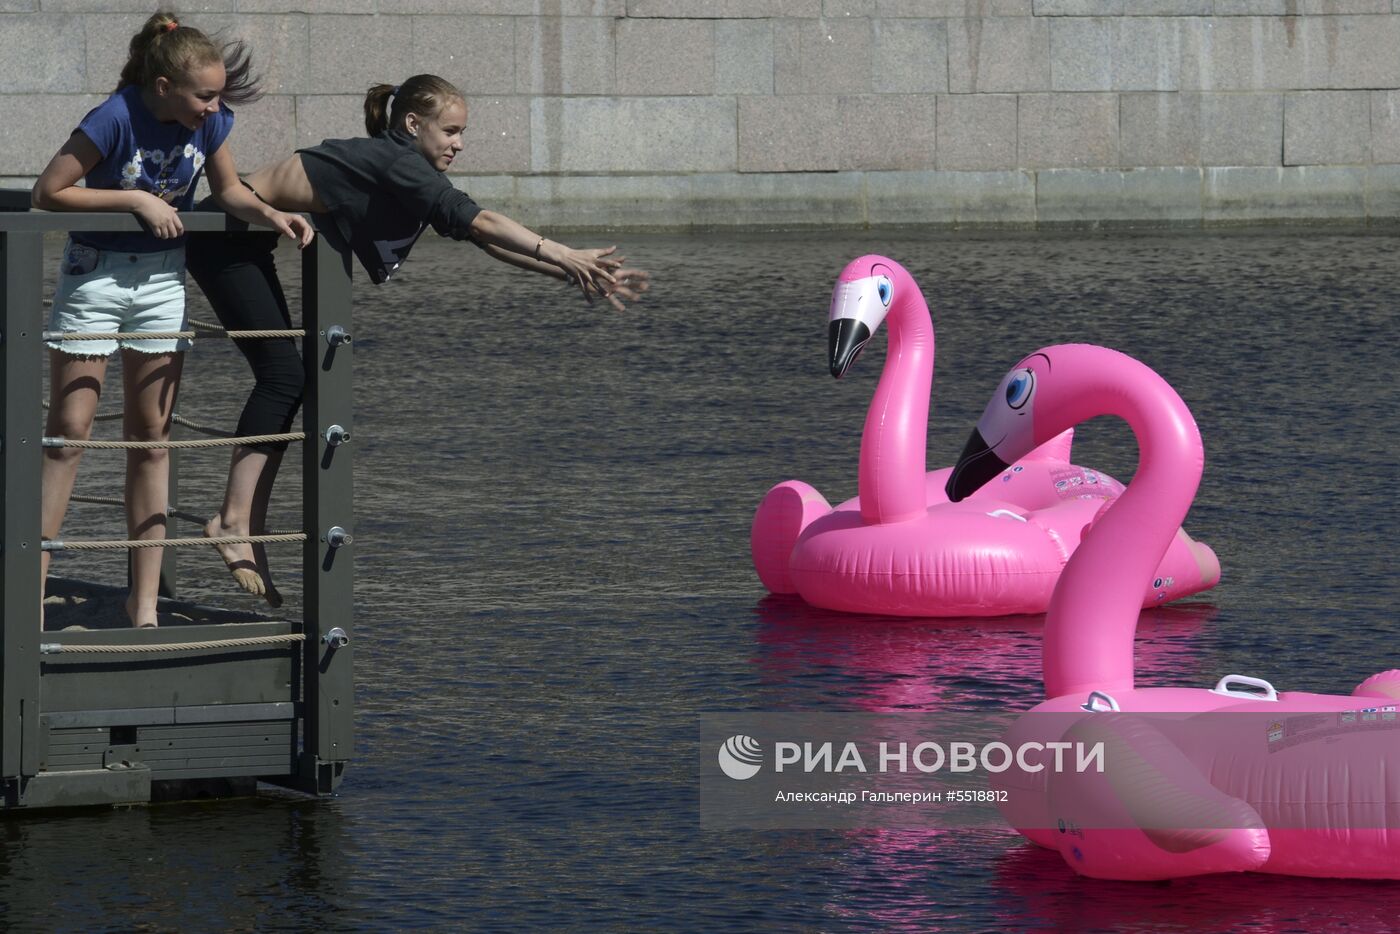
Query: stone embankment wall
(685,113)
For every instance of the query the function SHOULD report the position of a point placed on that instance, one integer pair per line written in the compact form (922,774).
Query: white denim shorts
(108,292)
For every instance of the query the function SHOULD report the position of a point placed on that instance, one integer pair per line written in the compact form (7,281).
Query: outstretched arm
(591,270)
(627,285)
(240,201)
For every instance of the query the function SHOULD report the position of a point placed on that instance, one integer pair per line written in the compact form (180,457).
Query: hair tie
(172,25)
(394,92)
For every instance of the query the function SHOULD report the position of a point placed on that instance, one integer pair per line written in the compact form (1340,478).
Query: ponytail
(164,47)
(424,95)
(377,108)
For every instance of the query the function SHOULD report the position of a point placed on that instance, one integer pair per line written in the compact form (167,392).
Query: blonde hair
(165,48)
(424,95)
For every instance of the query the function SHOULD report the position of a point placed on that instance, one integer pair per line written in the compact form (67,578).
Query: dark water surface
(552,512)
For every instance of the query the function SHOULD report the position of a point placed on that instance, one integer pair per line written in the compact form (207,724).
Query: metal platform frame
(79,729)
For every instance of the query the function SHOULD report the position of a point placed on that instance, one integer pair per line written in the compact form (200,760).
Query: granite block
(43,54)
(285,52)
(476,53)
(887,131)
(607,201)
(106,38)
(956,198)
(910,56)
(1120,54)
(1290,53)
(608,8)
(1383,192)
(1241,129)
(998,54)
(568,55)
(1150,195)
(826,200)
(1327,128)
(743,57)
(497,137)
(1159,129)
(639,135)
(352,53)
(263,132)
(1067,130)
(823,57)
(976,131)
(328,116)
(665,57)
(1385,126)
(1243,195)
(789,134)
(926,9)
(36,125)
(725,9)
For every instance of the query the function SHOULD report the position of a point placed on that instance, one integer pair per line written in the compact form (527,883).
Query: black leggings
(239,277)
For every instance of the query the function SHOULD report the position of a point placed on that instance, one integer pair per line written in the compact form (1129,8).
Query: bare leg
(251,474)
(151,384)
(75,388)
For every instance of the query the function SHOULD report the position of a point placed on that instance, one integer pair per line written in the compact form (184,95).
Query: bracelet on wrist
(537,247)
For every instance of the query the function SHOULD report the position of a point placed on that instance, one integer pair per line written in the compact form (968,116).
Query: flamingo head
(1006,432)
(864,293)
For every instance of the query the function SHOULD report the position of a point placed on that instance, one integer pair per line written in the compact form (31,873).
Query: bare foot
(242,563)
(141,617)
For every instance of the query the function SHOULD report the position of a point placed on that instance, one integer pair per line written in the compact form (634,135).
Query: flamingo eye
(885,290)
(1019,390)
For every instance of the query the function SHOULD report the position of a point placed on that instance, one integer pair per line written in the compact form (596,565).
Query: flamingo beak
(978,464)
(846,338)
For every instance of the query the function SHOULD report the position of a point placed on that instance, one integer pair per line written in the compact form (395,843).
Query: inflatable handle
(1106,699)
(1223,687)
(1007,514)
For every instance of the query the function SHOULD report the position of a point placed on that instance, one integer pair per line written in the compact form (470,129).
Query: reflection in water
(886,664)
(267,861)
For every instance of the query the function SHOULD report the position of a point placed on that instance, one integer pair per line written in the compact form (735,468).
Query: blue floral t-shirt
(140,152)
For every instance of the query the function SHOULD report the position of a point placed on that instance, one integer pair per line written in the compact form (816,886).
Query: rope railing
(239,335)
(119,545)
(195,443)
(202,429)
(68,648)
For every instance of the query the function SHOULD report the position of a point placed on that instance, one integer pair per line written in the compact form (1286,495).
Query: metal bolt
(337,335)
(336,436)
(337,638)
(337,536)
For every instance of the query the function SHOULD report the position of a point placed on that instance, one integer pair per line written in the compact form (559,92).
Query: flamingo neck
(893,448)
(1092,619)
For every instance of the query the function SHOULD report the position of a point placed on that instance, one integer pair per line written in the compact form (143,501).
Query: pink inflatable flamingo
(1238,777)
(900,547)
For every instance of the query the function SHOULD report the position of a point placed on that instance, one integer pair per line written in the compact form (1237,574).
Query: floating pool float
(1240,776)
(901,547)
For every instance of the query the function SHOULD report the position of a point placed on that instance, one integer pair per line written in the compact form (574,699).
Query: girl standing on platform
(142,150)
(373,197)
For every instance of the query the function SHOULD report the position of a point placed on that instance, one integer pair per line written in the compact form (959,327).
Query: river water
(553,587)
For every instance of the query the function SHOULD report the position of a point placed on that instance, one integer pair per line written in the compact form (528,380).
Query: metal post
(21,459)
(328,689)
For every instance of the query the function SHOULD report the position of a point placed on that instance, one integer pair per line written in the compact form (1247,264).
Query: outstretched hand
(590,270)
(627,284)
